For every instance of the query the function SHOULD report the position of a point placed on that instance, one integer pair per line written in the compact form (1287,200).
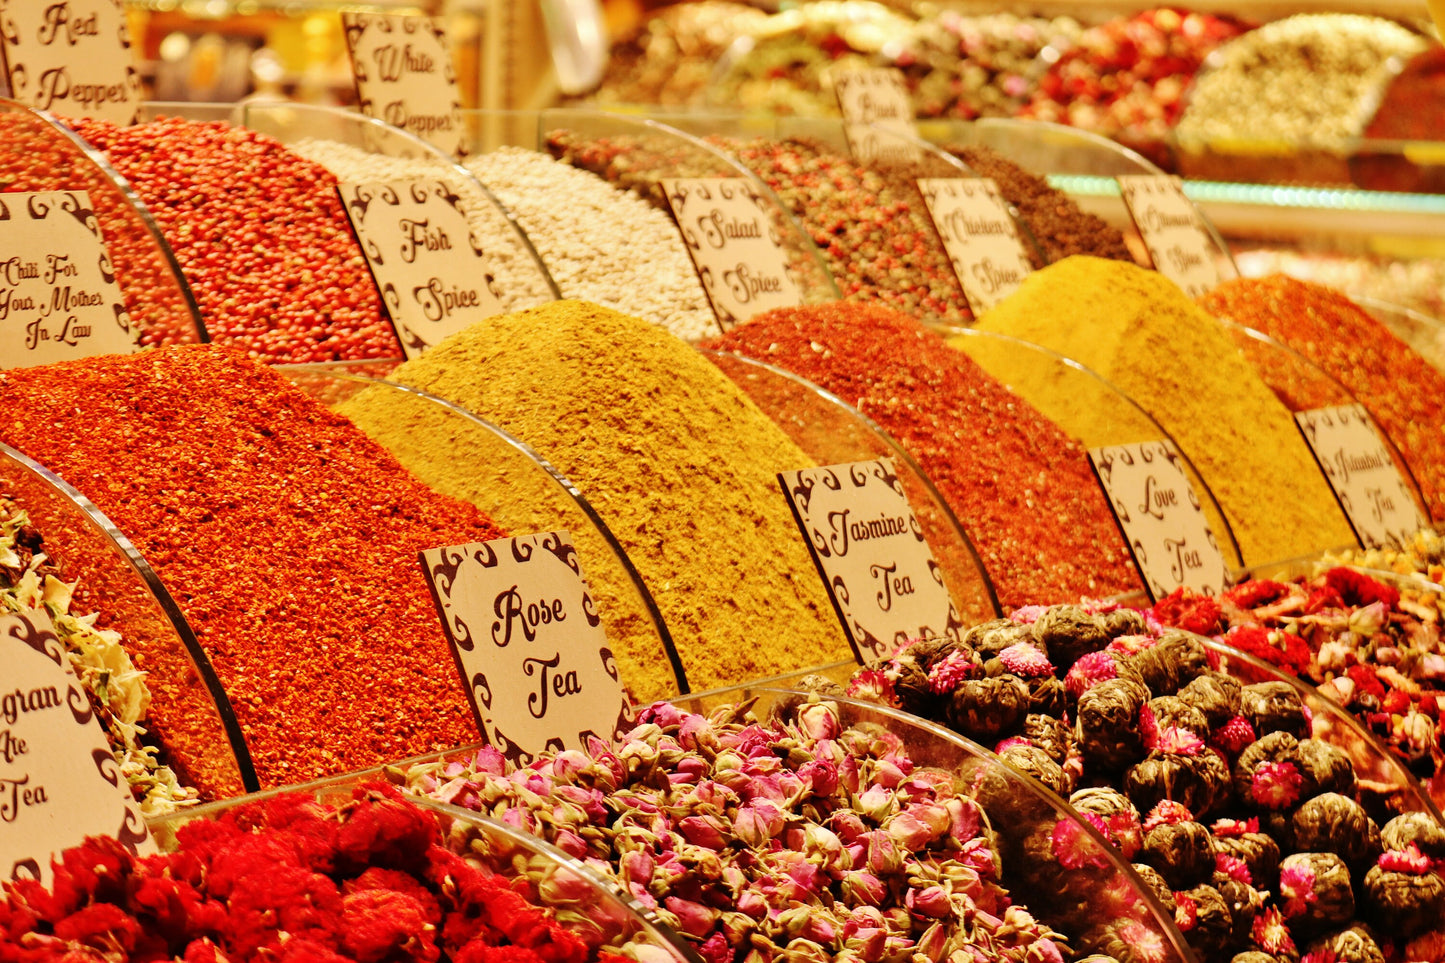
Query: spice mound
(1021,487)
(1402,392)
(288,879)
(1252,820)
(801,836)
(287,537)
(1140,331)
(261,236)
(119,695)
(677,461)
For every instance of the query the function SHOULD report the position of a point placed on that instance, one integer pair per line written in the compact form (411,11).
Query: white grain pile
(519,282)
(601,244)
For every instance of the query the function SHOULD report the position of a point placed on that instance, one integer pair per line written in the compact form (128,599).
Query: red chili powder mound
(288,538)
(1401,390)
(1021,487)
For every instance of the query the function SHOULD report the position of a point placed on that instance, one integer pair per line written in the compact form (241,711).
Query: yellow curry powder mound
(679,463)
(1141,331)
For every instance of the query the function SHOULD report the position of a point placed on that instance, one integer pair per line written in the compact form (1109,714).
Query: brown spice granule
(287,537)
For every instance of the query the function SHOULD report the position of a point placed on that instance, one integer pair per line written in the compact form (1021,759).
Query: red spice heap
(1020,486)
(261,236)
(1403,393)
(285,880)
(288,538)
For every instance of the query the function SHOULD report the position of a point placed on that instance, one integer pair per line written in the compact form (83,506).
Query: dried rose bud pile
(1375,652)
(285,880)
(797,839)
(1255,833)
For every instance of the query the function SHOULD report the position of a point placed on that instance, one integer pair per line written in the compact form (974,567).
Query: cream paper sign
(877,115)
(738,255)
(528,642)
(431,270)
(872,556)
(1162,519)
(59,781)
(72,58)
(404,76)
(979,235)
(1370,489)
(1179,246)
(58,296)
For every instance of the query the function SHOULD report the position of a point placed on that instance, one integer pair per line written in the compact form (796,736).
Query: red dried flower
(1199,614)
(390,832)
(1256,592)
(1233,867)
(1395,702)
(1178,741)
(1276,785)
(1088,671)
(282,899)
(1233,737)
(1026,661)
(1186,912)
(1358,590)
(871,685)
(105,926)
(1322,598)
(1230,828)
(478,951)
(1271,934)
(173,909)
(377,878)
(947,673)
(382,924)
(1074,848)
(1297,890)
(1408,860)
(1167,813)
(1365,680)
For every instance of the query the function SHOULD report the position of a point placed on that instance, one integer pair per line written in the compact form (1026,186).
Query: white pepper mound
(601,244)
(519,281)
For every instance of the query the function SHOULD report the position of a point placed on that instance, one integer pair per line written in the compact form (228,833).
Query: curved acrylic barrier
(1102,906)
(353,146)
(461,455)
(1080,163)
(1424,334)
(1085,405)
(832,432)
(39,153)
(190,717)
(587,904)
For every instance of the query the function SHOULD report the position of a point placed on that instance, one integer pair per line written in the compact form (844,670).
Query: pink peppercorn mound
(261,236)
(287,879)
(1020,486)
(1404,394)
(288,538)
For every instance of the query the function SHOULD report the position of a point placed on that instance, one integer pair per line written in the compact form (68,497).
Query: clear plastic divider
(1424,334)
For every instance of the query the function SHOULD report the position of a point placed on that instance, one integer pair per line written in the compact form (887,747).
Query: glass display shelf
(190,719)
(464,456)
(590,906)
(40,153)
(832,432)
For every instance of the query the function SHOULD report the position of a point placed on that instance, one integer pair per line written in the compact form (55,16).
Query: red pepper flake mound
(287,878)
(1020,486)
(288,538)
(1403,393)
(261,235)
